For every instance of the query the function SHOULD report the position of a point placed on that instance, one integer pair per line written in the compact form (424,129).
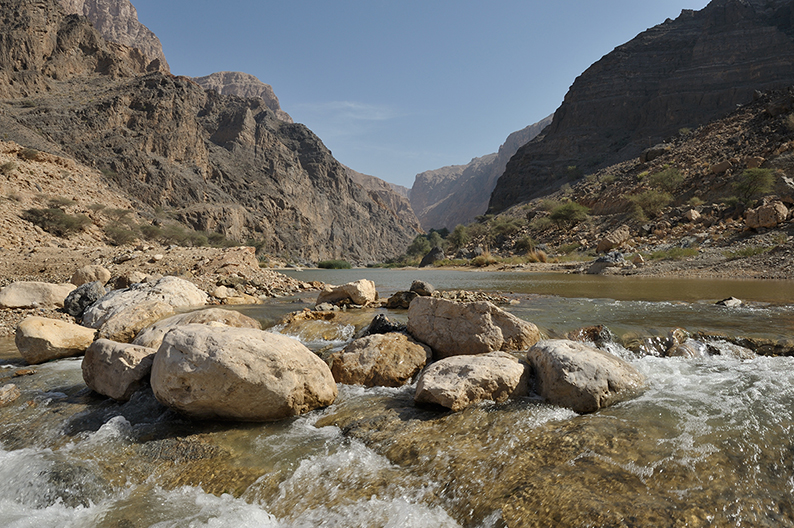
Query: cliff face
(243,85)
(682,73)
(117,21)
(387,195)
(457,194)
(219,163)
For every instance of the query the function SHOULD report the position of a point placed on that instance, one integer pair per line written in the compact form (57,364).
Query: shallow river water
(709,443)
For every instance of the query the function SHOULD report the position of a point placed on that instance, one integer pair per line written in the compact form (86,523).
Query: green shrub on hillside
(55,221)
(8,167)
(667,180)
(419,247)
(29,154)
(120,235)
(459,237)
(334,264)
(569,214)
(525,244)
(752,183)
(506,226)
(650,202)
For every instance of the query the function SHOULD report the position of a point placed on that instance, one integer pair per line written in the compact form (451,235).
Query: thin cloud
(350,111)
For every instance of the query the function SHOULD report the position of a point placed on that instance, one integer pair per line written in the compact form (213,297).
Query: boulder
(467,329)
(380,360)
(129,278)
(769,215)
(124,325)
(730,302)
(457,382)
(425,289)
(91,273)
(580,377)
(610,260)
(654,152)
(152,336)
(239,374)
(361,292)
(401,299)
(431,258)
(34,295)
(692,215)
(117,370)
(614,239)
(40,339)
(380,324)
(173,291)
(720,167)
(82,297)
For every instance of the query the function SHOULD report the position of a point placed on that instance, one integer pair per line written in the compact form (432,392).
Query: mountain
(456,194)
(388,195)
(117,21)
(215,162)
(679,74)
(243,85)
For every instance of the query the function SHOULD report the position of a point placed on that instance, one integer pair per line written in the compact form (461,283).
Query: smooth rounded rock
(380,360)
(456,329)
(117,370)
(457,382)
(582,378)
(40,339)
(91,273)
(239,374)
(124,325)
(33,294)
(152,336)
(361,292)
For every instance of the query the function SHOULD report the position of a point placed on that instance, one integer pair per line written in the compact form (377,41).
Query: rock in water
(39,339)
(580,377)
(457,382)
(467,329)
(152,336)
(380,360)
(239,374)
(117,370)
(360,292)
(425,289)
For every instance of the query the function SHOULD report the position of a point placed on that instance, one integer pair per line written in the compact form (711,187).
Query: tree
(569,213)
(753,182)
(419,247)
(459,237)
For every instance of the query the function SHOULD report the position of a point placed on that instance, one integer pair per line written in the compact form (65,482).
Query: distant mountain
(217,163)
(387,195)
(243,85)
(456,194)
(117,21)
(679,74)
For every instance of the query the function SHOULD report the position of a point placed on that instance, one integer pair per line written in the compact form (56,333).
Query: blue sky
(395,88)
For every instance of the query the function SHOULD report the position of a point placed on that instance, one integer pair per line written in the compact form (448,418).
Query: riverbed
(707,444)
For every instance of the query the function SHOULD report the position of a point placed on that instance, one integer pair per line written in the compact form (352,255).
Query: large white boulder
(239,374)
(457,382)
(466,329)
(117,370)
(152,336)
(360,292)
(34,294)
(40,339)
(124,325)
(176,292)
(582,378)
(385,360)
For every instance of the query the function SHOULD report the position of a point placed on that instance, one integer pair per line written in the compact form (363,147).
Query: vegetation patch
(334,264)
(650,203)
(745,252)
(29,154)
(8,167)
(752,183)
(569,214)
(667,180)
(55,221)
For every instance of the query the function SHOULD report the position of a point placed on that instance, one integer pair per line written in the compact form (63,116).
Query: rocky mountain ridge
(680,74)
(243,85)
(117,21)
(217,163)
(457,194)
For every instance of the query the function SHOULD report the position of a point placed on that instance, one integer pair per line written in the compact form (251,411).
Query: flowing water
(709,443)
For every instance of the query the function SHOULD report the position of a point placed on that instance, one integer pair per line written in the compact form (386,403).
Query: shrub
(8,167)
(506,226)
(96,207)
(29,154)
(695,201)
(569,248)
(540,224)
(334,264)
(120,235)
(459,237)
(151,232)
(569,214)
(483,260)
(749,251)
(607,179)
(419,247)
(752,183)
(59,202)
(537,256)
(675,253)
(650,202)
(525,244)
(55,221)
(667,180)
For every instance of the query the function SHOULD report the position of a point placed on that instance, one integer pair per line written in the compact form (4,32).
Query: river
(709,443)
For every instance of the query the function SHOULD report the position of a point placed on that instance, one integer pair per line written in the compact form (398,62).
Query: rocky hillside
(456,194)
(387,195)
(217,163)
(243,85)
(117,21)
(680,74)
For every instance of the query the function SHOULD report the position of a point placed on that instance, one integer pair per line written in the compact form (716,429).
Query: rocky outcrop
(239,374)
(380,360)
(218,163)
(467,329)
(243,85)
(387,195)
(39,339)
(456,194)
(642,92)
(769,215)
(574,375)
(117,21)
(457,382)
(117,370)
(152,336)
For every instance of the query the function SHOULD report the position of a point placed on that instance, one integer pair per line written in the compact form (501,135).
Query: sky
(395,88)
